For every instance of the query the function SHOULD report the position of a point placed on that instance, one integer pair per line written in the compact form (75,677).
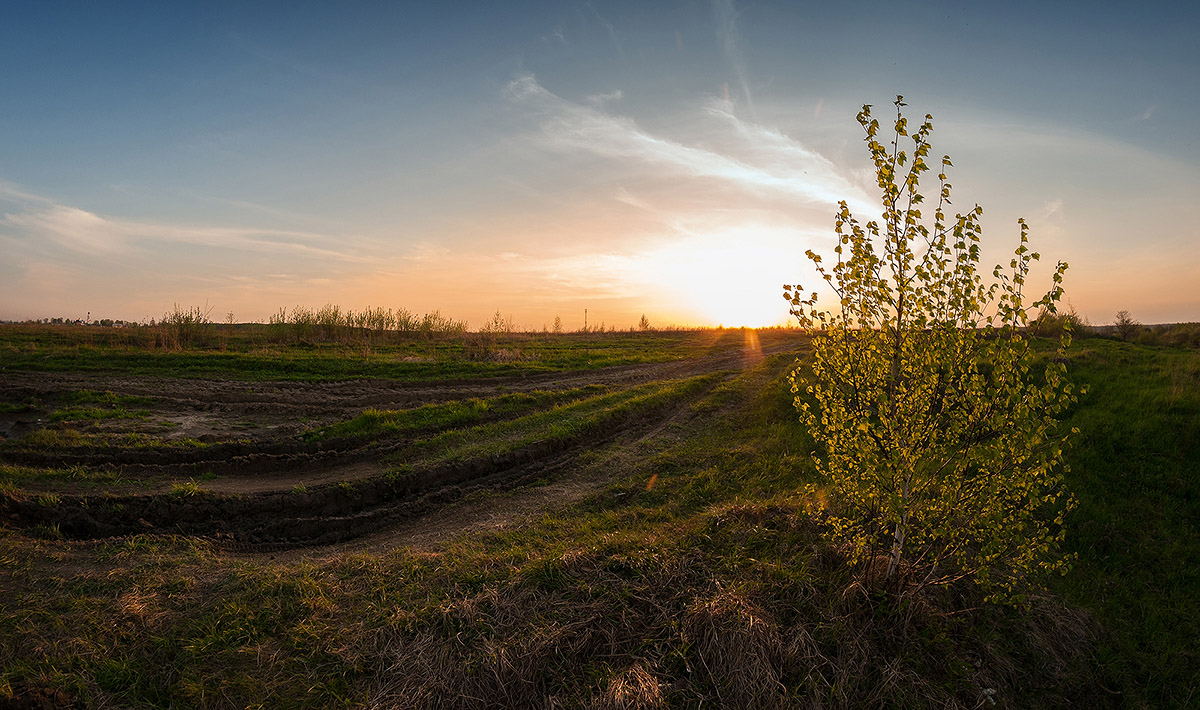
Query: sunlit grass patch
(77,414)
(79,397)
(187,489)
(375,423)
(249,352)
(559,423)
(17,475)
(17,407)
(50,439)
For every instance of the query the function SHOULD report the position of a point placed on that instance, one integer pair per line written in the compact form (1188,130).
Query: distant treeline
(193,327)
(1124,327)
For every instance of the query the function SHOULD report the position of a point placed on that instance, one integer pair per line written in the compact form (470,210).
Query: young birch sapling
(937,424)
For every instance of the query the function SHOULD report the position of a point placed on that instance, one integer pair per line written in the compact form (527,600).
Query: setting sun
(731,278)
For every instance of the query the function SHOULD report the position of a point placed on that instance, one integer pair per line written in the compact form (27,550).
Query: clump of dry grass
(675,629)
(634,689)
(498,655)
(739,648)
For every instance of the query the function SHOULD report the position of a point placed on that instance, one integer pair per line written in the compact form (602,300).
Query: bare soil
(257,487)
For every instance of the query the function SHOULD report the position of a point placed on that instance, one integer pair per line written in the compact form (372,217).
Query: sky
(671,159)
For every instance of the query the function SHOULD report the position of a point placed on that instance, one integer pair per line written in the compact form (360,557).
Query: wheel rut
(272,492)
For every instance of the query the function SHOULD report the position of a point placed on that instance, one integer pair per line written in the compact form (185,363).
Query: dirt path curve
(499,509)
(276,492)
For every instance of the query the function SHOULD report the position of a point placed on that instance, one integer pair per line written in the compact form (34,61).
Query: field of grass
(1136,473)
(671,563)
(248,353)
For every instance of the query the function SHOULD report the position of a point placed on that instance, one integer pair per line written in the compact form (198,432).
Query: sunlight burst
(731,279)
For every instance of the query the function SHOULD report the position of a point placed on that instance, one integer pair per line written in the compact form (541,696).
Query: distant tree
(1126,326)
(939,445)
(558,326)
(499,324)
(644,323)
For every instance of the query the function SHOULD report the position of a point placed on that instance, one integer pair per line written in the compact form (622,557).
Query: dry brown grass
(762,615)
(634,689)
(740,650)
(668,630)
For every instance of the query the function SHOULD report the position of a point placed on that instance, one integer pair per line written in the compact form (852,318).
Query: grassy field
(247,352)
(605,521)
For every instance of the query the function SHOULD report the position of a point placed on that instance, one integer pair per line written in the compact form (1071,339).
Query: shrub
(1182,335)
(182,328)
(941,450)
(1050,324)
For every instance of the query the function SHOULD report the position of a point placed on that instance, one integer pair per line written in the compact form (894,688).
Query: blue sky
(667,158)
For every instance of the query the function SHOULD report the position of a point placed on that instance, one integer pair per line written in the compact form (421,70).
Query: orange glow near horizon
(730,279)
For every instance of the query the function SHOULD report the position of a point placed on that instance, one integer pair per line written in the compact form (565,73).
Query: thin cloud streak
(13,193)
(786,166)
(771,146)
(725,19)
(40,220)
(612,32)
(599,100)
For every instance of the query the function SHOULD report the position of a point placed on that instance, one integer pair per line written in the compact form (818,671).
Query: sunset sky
(539,158)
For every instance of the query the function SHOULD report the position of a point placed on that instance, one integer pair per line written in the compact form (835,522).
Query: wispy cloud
(68,227)
(599,100)
(625,196)
(556,36)
(14,193)
(1052,207)
(38,220)
(725,18)
(765,161)
(612,32)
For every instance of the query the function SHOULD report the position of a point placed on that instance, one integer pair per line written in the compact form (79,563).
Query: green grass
(79,397)
(249,357)
(1135,468)
(187,489)
(79,414)
(50,440)
(560,423)
(375,423)
(696,563)
(20,476)
(57,439)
